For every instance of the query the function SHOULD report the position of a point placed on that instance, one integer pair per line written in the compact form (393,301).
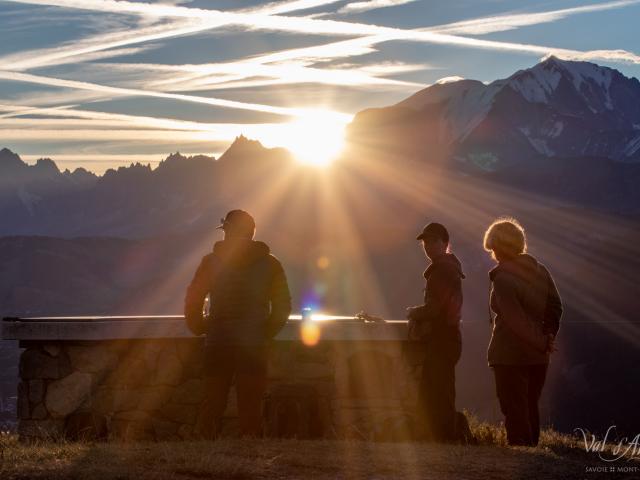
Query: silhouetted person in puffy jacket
(527,310)
(437,324)
(249,302)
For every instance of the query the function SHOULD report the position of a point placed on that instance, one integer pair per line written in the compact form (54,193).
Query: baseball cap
(239,219)
(436,230)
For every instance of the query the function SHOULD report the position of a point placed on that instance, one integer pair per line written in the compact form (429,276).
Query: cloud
(451,79)
(501,23)
(77,58)
(156,22)
(74,51)
(325,27)
(359,7)
(62,126)
(232,75)
(276,8)
(239,74)
(218,102)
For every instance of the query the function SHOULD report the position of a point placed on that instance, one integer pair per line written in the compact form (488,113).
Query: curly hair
(505,236)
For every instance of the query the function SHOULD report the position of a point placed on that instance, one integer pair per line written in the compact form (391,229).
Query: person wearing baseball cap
(436,324)
(249,302)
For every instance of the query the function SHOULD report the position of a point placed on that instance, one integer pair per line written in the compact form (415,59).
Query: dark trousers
(437,389)
(519,388)
(247,365)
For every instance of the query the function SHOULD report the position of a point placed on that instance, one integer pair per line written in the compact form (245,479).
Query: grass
(558,456)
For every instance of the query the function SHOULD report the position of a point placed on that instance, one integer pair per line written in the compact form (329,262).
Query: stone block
(66,395)
(107,400)
(52,349)
(191,392)
(191,355)
(153,398)
(35,363)
(321,353)
(133,415)
(85,426)
(281,365)
(39,412)
(177,413)
(92,358)
(295,410)
(36,390)
(146,352)
(24,411)
(169,369)
(165,430)
(314,371)
(130,372)
(186,432)
(119,347)
(87,405)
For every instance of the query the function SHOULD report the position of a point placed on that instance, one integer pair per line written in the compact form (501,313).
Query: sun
(316,138)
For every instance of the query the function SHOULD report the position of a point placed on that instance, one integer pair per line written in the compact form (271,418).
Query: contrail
(320,27)
(57,82)
(359,7)
(61,55)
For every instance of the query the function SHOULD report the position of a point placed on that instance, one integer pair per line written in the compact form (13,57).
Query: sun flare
(317,138)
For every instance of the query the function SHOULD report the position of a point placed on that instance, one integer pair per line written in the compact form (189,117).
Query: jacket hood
(447,260)
(240,252)
(524,266)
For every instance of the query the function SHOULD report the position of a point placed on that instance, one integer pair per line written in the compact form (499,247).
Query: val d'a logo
(624,448)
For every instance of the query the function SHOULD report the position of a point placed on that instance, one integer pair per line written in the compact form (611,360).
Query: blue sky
(101,83)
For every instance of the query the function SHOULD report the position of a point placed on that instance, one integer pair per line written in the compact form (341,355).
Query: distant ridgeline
(563,129)
(134,201)
(556,145)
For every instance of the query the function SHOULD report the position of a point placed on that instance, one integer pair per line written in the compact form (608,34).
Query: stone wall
(152,389)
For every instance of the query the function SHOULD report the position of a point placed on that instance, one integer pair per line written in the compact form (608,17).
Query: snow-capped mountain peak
(467,102)
(536,84)
(557,108)
(591,82)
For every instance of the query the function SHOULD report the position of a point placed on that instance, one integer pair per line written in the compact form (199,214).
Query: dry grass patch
(558,457)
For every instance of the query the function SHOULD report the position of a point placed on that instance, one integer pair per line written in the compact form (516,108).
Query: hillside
(558,457)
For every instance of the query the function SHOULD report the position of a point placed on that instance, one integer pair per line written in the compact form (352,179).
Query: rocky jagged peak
(175,157)
(11,160)
(590,81)
(82,176)
(176,162)
(46,165)
(242,142)
(242,147)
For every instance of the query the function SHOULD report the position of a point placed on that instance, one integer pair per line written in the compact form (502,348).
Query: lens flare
(310,333)
(323,262)
(315,139)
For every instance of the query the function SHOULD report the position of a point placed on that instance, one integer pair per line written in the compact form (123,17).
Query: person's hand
(551,344)
(411,311)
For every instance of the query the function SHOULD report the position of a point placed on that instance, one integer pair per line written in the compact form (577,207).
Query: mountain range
(557,108)
(556,145)
(128,202)
(561,128)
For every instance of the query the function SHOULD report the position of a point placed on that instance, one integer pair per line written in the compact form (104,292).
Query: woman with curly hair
(527,310)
